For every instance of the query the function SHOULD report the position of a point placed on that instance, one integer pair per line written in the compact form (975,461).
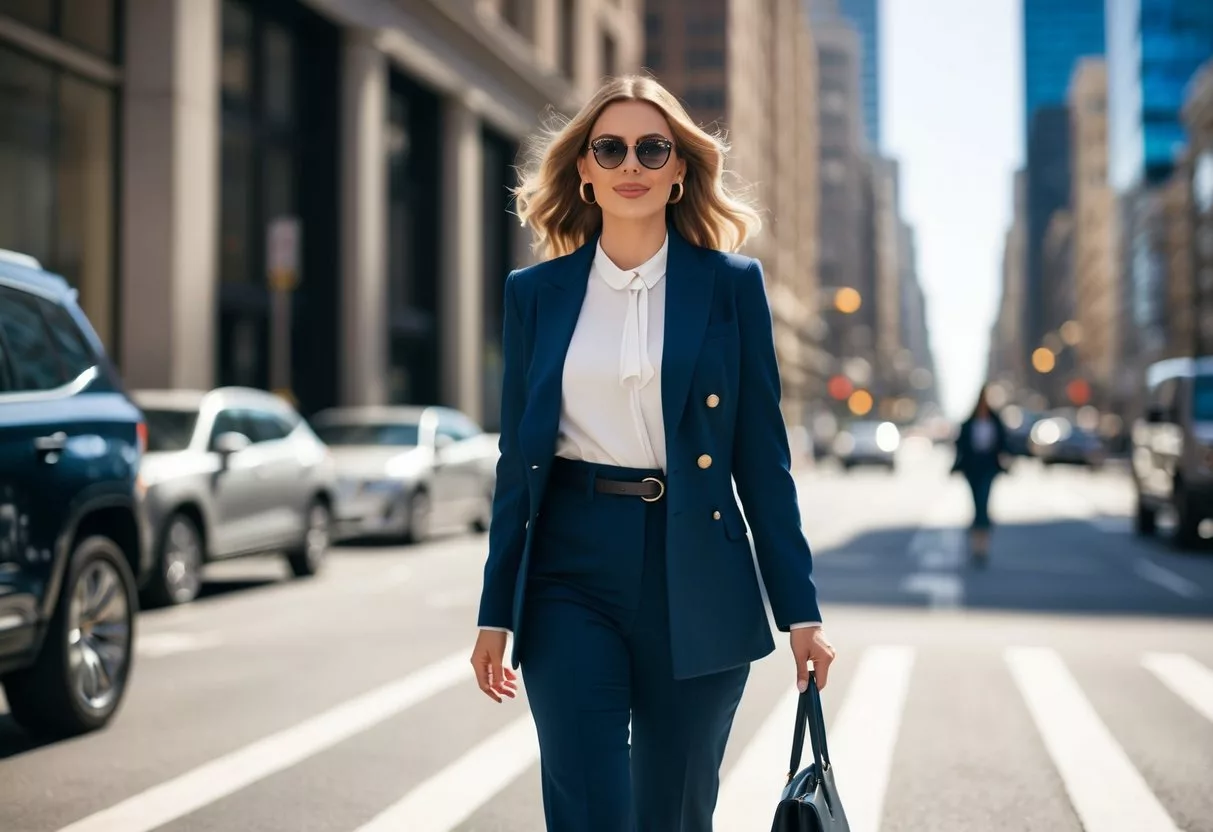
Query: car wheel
(1146,520)
(421,517)
(482,520)
(178,575)
(1187,521)
(80,677)
(307,558)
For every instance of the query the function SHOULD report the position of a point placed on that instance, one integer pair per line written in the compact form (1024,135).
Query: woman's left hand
(809,644)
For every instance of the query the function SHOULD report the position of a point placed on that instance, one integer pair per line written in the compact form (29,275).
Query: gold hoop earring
(581,191)
(681,192)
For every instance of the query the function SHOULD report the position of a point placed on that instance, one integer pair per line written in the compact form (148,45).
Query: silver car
(408,471)
(231,472)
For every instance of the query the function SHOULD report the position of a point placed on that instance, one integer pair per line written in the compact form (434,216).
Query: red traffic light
(840,387)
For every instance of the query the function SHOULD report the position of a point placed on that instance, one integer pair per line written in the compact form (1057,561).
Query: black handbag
(810,802)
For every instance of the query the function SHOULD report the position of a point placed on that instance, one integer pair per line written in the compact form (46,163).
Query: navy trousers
(596,654)
(980,484)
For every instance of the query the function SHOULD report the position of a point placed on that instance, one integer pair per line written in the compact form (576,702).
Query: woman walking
(979,448)
(640,380)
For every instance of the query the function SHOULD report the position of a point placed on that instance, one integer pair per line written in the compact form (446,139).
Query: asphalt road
(1067,686)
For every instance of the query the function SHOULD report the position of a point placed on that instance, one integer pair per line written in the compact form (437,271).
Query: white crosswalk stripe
(1187,678)
(1103,786)
(864,733)
(210,782)
(444,801)
(1107,791)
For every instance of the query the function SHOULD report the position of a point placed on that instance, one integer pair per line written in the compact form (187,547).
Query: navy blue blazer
(718,340)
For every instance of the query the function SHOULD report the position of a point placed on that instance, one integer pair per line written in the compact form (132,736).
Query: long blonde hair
(548,195)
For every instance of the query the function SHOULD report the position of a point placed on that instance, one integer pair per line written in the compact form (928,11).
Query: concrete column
(547,33)
(364,195)
(462,306)
(170,185)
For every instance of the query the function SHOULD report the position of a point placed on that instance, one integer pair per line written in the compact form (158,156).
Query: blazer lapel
(689,285)
(558,307)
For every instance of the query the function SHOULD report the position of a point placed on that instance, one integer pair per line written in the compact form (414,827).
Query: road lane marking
(1187,678)
(226,775)
(864,733)
(454,794)
(156,645)
(1108,794)
(1152,572)
(944,590)
(753,784)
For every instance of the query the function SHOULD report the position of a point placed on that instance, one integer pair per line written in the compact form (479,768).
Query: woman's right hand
(494,679)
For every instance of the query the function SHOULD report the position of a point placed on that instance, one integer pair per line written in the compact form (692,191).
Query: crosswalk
(869,710)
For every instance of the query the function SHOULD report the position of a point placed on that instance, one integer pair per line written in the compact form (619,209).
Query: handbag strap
(808,712)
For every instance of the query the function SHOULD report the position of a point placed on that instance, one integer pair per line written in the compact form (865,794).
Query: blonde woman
(640,382)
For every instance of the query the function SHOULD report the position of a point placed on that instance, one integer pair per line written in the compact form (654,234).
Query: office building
(1096,285)
(864,16)
(302,196)
(1048,191)
(1198,174)
(748,68)
(1055,35)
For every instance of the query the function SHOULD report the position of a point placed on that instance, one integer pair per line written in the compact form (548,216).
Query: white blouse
(611,413)
(611,410)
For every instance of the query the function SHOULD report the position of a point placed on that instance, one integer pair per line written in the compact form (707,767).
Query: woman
(979,448)
(640,379)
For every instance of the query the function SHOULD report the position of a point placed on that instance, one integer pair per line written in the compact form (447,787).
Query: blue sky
(951,89)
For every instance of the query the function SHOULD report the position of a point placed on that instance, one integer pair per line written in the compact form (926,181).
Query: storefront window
(57,166)
(236,63)
(89,24)
(36,13)
(236,164)
(279,75)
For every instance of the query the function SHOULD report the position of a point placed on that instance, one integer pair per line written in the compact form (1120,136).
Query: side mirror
(230,443)
(1155,415)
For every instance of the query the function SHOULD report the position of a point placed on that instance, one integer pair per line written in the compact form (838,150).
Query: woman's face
(632,164)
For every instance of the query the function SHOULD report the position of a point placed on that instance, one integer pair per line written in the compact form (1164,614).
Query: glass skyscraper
(864,16)
(1154,48)
(1056,33)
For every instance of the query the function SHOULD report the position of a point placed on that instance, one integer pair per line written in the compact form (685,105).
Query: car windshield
(401,434)
(1202,399)
(170,430)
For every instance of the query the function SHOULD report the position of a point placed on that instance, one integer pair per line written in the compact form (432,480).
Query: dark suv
(72,538)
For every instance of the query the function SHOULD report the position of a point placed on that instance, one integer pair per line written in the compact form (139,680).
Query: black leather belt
(649,489)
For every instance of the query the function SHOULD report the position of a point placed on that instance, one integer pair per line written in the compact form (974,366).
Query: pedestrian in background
(979,448)
(640,380)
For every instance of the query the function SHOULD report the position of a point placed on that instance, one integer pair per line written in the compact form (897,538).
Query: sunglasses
(652,152)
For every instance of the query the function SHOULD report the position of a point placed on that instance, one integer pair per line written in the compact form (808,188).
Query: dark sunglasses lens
(653,153)
(610,152)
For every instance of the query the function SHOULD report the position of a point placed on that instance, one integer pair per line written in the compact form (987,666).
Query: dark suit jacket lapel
(559,302)
(689,285)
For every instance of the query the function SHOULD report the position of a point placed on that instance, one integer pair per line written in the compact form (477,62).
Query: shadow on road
(1059,566)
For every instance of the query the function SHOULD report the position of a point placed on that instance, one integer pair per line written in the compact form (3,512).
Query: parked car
(73,540)
(1058,439)
(868,442)
(407,471)
(231,472)
(1172,447)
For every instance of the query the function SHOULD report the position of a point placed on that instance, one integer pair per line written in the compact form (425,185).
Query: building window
(88,24)
(609,57)
(568,38)
(652,57)
(652,25)
(705,58)
(57,166)
(705,99)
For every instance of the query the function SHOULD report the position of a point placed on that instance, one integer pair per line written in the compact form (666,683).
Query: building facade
(1154,48)
(301,196)
(1055,35)
(864,16)
(1008,357)
(1048,191)
(748,70)
(844,187)
(1096,286)
(1198,174)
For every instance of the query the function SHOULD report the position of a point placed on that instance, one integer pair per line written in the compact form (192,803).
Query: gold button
(715,515)
(713,400)
(705,461)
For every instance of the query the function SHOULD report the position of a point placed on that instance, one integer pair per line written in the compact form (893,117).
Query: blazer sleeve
(507,530)
(762,464)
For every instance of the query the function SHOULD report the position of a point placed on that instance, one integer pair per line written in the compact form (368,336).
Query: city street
(1067,686)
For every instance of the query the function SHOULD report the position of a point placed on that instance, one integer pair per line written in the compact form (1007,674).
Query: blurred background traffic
(252,256)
